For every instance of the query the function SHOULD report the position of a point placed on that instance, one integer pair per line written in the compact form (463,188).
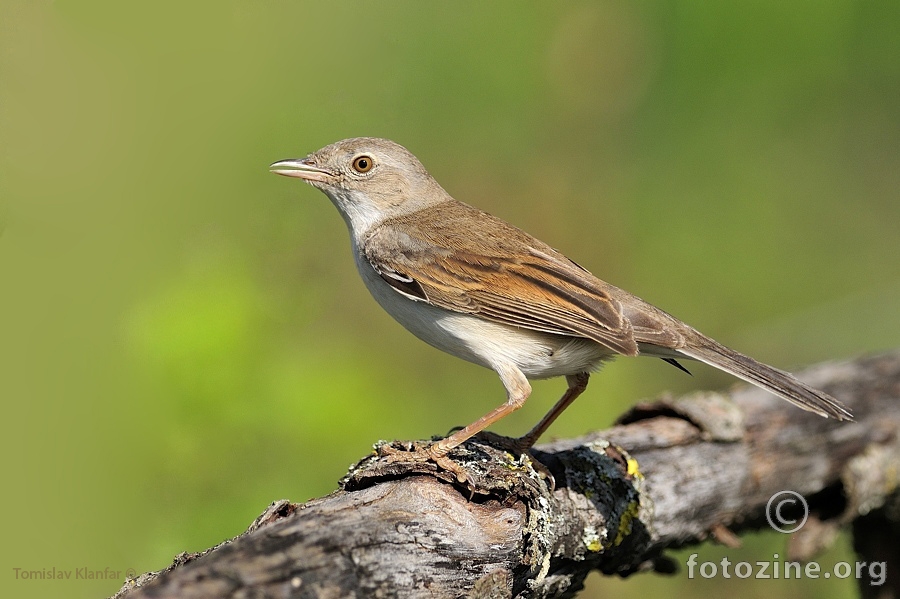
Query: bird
(481,289)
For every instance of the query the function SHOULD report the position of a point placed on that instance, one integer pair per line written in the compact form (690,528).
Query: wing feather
(530,285)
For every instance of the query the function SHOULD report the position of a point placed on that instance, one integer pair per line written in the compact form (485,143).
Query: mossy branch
(670,473)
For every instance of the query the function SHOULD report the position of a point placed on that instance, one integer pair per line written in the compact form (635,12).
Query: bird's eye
(362,164)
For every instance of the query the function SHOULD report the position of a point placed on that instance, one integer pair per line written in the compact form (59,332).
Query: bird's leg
(517,391)
(577,385)
(522,445)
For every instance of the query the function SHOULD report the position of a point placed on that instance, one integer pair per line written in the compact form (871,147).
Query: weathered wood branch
(671,473)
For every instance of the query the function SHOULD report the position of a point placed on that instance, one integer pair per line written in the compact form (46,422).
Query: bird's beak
(302,169)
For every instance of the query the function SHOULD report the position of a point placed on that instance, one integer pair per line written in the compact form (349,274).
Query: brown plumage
(481,289)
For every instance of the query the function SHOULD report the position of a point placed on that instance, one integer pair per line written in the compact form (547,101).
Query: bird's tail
(779,382)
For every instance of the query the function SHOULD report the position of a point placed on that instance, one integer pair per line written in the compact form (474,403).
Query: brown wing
(510,278)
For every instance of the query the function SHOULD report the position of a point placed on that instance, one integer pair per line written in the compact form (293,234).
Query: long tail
(782,384)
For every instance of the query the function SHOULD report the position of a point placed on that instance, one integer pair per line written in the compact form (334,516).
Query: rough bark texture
(670,473)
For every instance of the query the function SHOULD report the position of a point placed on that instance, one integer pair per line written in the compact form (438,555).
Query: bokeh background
(184,338)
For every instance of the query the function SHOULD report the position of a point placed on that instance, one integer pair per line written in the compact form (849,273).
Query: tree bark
(670,473)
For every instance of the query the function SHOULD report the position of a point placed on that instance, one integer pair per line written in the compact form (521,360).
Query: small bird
(476,287)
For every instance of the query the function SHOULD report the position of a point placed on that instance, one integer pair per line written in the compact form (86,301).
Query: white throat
(359,213)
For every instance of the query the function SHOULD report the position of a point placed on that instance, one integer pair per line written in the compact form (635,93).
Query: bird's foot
(482,465)
(418,452)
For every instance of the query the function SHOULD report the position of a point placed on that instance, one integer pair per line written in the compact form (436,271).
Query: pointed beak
(302,169)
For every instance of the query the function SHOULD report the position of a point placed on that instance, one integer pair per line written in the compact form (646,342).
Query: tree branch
(670,473)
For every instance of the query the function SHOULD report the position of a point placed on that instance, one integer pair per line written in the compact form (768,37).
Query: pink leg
(517,390)
(577,385)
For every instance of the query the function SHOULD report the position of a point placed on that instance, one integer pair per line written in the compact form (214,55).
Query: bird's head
(367,178)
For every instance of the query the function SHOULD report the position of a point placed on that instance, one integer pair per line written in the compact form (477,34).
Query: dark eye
(362,164)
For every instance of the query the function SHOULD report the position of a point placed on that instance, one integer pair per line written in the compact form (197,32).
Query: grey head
(368,179)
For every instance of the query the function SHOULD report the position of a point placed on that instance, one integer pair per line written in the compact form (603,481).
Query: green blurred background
(184,338)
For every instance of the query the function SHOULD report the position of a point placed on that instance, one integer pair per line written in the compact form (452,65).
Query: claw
(427,453)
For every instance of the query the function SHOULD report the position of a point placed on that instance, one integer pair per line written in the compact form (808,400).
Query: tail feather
(782,384)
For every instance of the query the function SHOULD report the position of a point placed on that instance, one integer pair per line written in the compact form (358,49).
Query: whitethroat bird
(477,287)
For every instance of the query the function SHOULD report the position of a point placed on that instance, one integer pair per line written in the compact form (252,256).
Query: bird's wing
(528,285)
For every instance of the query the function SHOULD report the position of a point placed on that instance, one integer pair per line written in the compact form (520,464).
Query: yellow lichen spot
(513,464)
(633,468)
(592,540)
(631,512)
